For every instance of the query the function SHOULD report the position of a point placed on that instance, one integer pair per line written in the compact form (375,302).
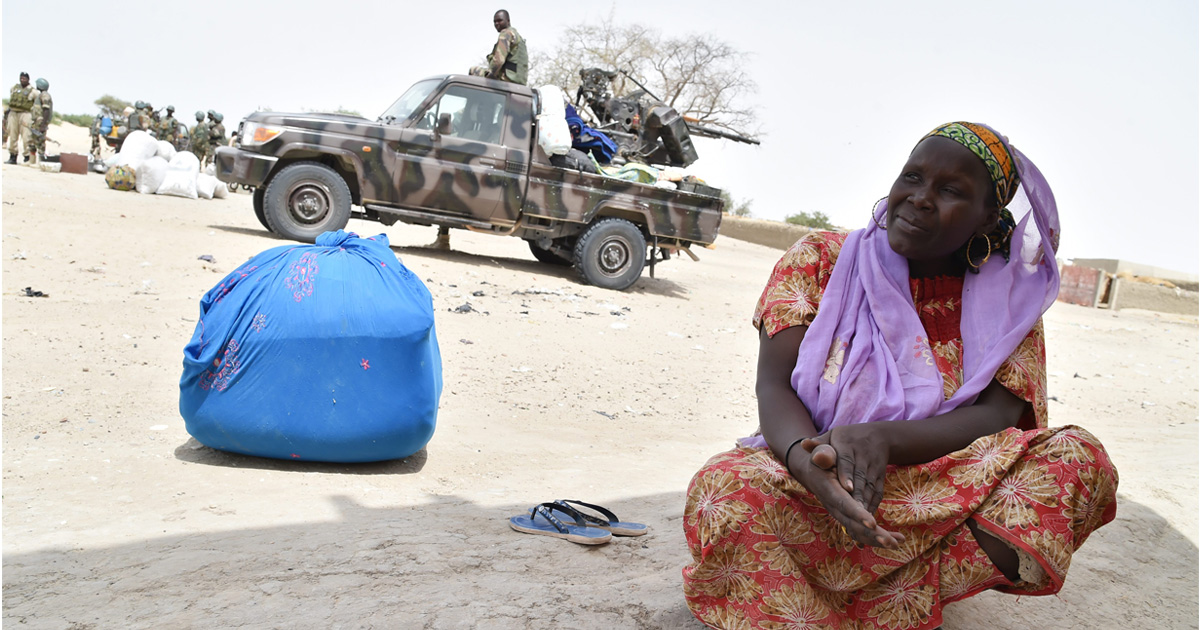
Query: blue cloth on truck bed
(320,352)
(588,140)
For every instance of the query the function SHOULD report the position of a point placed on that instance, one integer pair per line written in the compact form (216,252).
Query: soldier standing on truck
(509,60)
(43,112)
(20,104)
(200,138)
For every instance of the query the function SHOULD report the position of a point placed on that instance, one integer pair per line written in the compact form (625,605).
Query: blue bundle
(320,352)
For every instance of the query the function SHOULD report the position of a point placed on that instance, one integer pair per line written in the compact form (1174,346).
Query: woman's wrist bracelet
(787,455)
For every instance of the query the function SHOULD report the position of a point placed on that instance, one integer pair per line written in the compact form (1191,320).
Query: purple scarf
(866,357)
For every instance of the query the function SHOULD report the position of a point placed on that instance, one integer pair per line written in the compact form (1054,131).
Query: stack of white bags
(163,170)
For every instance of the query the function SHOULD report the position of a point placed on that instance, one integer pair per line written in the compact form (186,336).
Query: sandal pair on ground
(562,519)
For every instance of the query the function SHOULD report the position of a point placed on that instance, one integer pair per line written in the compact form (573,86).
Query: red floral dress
(767,555)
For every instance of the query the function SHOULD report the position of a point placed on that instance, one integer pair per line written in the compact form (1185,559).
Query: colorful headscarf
(867,313)
(987,146)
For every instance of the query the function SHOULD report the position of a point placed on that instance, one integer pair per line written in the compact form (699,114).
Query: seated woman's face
(942,197)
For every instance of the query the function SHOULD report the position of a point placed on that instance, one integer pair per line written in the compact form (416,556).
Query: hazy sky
(1104,96)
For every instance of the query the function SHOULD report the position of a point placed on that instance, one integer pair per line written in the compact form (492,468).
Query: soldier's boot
(442,242)
(12,158)
(27,158)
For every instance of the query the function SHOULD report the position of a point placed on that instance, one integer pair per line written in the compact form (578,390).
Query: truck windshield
(406,104)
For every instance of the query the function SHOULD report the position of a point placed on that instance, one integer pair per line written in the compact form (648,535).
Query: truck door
(463,171)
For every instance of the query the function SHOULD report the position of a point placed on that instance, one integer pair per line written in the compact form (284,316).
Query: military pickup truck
(462,152)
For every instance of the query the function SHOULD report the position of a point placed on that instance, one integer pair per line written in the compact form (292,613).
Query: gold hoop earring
(875,215)
(972,263)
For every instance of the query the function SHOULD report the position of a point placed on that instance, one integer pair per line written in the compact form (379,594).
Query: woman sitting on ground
(904,460)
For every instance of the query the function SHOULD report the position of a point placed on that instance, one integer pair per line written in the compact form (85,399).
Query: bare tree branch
(701,76)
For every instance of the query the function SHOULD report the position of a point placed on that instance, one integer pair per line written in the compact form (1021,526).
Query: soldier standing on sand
(509,60)
(168,127)
(200,138)
(216,133)
(151,121)
(43,113)
(20,103)
(95,133)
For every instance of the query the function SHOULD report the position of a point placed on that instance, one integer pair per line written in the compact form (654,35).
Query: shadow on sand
(194,452)
(449,562)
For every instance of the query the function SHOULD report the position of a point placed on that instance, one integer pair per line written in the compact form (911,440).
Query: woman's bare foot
(999,553)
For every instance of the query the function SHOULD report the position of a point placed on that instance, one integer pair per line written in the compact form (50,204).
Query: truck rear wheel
(611,254)
(306,200)
(258,207)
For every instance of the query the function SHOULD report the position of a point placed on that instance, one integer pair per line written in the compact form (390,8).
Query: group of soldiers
(208,132)
(30,109)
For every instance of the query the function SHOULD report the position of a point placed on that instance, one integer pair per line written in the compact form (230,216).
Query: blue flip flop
(610,522)
(542,521)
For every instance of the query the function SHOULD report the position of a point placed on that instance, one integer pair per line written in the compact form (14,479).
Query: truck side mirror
(445,124)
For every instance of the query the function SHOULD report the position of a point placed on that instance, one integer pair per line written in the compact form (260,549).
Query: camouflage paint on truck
(479,168)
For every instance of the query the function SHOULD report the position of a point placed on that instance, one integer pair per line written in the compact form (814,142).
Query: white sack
(139,146)
(150,175)
(211,169)
(206,185)
(221,190)
(553,134)
(186,160)
(181,176)
(166,150)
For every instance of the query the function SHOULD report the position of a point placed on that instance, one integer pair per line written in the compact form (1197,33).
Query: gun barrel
(709,132)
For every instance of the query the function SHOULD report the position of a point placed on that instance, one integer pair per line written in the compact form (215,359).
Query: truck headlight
(254,134)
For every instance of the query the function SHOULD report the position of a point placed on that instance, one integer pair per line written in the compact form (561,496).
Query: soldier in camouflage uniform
(135,121)
(168,127)
(200,138)
(509,60)
(216,134)
(43,113)
(95,133)
(19,120)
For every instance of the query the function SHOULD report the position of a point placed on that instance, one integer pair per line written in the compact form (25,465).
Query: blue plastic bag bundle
(321,352)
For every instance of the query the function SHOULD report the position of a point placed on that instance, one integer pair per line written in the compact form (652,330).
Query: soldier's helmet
(139,105)
(148,106)
(199,116)
(42,84)
(170,108)
(218,116)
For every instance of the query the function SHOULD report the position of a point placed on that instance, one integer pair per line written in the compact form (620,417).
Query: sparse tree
(111,106)
(701,76)
(816,220)
(736,208)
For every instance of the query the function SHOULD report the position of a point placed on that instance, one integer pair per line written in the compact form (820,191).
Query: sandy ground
(113,517)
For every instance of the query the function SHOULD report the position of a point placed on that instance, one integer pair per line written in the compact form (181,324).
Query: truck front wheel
(611,254)
(259,213)
(306,200)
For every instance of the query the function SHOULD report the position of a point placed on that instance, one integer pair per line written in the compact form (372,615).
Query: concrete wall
(1152,297)
(1114,266)
(760,232)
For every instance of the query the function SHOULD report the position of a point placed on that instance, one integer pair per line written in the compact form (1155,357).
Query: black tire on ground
(547,256)
(259,193)
(611,254)
(305,200)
